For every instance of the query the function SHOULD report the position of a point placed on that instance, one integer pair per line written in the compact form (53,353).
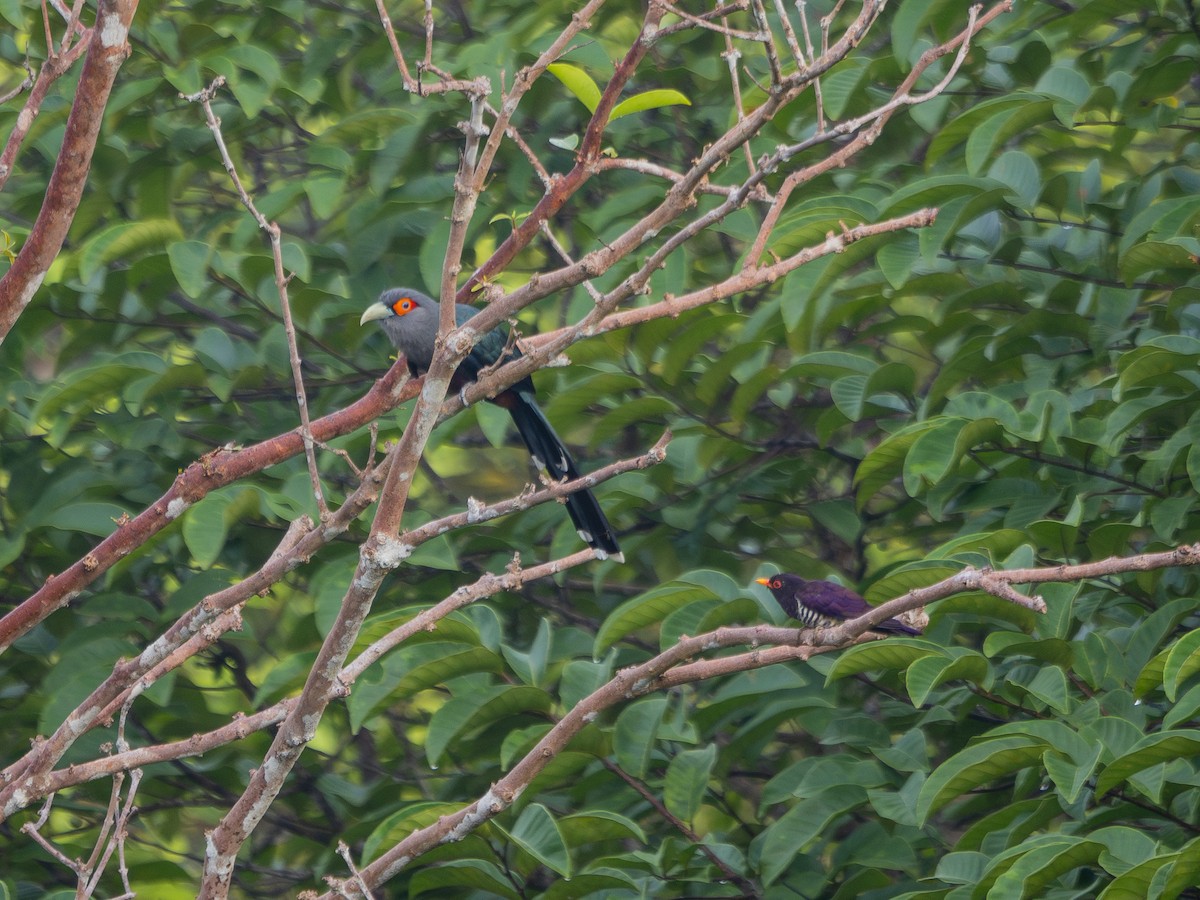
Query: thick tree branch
(107,49)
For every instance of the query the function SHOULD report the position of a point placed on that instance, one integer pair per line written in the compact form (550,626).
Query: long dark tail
(895,626)
(550,453)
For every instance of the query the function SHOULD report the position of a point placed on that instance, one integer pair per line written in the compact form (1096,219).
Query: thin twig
(748,888)
(344,852)
(205,98)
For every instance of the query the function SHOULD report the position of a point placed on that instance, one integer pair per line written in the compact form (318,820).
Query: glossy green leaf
(477,710)
(1182,662)
(636,734)
(687,781)
(124,241)
(645,101)
(892,654)
(1038,864)
(977,765)
(463,875)
(645,610)
(804,823)
(189,262)
(536,832)
(1150,751)
(927,673)
(578,82)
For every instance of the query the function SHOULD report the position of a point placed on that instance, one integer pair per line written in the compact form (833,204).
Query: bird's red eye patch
(776,583)
(403,305)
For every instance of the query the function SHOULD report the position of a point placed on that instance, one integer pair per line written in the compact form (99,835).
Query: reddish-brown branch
(107,49)
(212,471)
(566,186)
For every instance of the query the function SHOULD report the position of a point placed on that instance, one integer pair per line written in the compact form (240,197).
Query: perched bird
(410,320)
(823,603)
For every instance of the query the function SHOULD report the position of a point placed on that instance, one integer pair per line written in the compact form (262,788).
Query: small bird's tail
(895,626)
(549,453)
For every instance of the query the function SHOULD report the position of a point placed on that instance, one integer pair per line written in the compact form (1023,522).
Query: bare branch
(26,84)
(205,98)
(131,680)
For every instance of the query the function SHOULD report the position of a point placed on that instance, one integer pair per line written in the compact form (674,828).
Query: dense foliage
(1014,386)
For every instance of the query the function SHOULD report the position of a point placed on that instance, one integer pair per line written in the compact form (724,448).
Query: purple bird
(820,604)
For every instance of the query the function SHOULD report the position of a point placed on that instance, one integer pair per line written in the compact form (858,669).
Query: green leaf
(886,462)
(909,577)
(295,261)
(404,822)
(841,86)
(636,733)
(1064,82)
(1070,776)
(1050,686)
(1009,824)
(189,262)
(1035,865)
(962,867)
(1156,256)
(687,781)
(897,257)
(1125,847)
(1186,871)
(611,884)
(849,395)
(1019,172)
(99,519)
(804,823)
(646,100)
(1172,667)
(1186,708)
(926,674)
(477,710)
(95,386)
(578,82)
(125,240)
(1152,750)
(537,834)
(462,875)
(645,610)
(975,766)
(325,192)
(932,455)
(412,670)
(599,825)
(890,655)
(1135,884)
(205,527)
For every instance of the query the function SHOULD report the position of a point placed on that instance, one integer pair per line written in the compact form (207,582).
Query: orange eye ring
(403,305)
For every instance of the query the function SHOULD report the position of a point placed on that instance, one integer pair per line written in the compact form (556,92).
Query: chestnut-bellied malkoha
(410,320)
(823,603)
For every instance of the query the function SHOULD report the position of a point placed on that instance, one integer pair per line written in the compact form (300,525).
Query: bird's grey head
(410,320)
